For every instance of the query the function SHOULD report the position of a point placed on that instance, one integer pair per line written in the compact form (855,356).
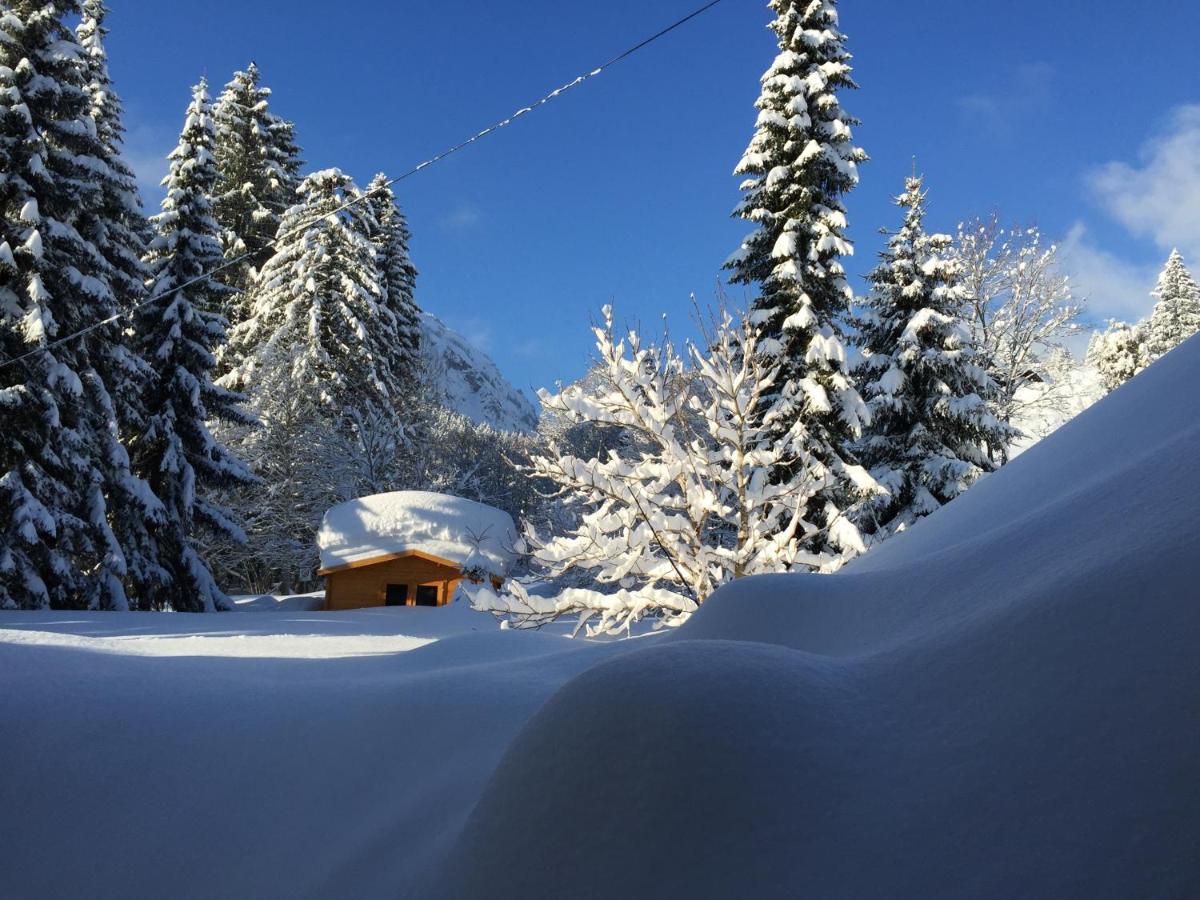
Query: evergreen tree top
(91,31)
(243,113)
(916,269)
(398,278)
(806,23)
(121,232)
(1175,279)
(187,207)
(802,160)
(394,236)
(801,122)
(318,302)
(106,106)
(1176,315)
(258,162)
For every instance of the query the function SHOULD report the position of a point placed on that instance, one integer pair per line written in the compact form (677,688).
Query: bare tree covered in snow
(304,467)
(688,502)
(1070,388)
(1018,305)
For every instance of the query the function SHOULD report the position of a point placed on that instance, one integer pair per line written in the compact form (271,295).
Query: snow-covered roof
(459,531)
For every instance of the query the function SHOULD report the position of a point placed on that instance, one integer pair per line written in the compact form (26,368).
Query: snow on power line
(462,145)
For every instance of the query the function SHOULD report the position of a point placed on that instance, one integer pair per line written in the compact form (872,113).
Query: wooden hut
(410,548)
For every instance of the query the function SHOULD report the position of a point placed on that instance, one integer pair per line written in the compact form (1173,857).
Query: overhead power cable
(361,197)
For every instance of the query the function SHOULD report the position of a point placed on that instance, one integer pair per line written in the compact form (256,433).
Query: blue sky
(1083,117)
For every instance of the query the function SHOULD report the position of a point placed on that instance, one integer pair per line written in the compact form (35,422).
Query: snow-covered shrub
(687,500)
(1119,352)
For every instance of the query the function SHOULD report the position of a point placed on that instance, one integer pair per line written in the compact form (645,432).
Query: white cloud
(1028,93)
(463,218)
(476,331)
(1159,198)
(530,347)
(1113,287)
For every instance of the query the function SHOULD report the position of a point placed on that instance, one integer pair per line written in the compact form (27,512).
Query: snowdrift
(1004,701)
(150,755)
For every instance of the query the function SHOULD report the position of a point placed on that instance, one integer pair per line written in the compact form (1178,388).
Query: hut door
(427,595)
(397,595)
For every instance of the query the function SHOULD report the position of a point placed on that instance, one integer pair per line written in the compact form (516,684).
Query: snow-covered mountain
(468,382)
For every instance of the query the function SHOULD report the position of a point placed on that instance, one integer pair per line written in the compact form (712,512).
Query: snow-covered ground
(255,754)
(287,635)
(1003,701)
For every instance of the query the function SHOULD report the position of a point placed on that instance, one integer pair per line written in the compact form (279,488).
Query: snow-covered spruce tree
(931,434)
(259,165)
(799,165)
(121,231)
(178,330)
(1176,315)
(313,356)
(1118,353)
(1019,307)
(64,475)
(398,278)
(690,502)
(316,317)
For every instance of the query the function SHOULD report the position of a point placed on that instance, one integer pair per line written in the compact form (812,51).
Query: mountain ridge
(465,379)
